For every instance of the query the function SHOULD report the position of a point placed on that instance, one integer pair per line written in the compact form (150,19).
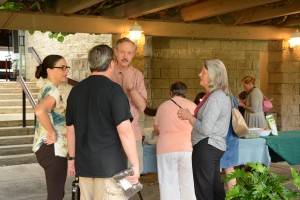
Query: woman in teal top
(50,143)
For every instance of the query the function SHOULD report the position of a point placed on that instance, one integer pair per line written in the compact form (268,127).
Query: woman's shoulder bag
(239,125)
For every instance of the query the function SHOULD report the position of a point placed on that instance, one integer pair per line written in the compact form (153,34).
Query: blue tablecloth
(250,150)
(253,150)
(150,164)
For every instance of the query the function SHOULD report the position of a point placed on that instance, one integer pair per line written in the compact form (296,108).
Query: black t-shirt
(96,106)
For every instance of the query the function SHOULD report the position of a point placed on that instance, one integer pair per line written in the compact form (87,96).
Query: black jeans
(206,171)
(55,168)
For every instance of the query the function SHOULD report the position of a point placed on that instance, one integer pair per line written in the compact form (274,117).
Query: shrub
(255,181)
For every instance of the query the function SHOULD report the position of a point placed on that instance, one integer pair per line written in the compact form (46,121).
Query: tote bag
(267,104)
(239,125)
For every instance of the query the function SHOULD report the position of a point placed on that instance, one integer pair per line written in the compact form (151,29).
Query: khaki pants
(99,189)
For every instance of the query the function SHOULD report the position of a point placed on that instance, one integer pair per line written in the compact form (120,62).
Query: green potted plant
(255,181)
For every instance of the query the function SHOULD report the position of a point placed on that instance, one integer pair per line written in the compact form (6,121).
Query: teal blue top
(58,120)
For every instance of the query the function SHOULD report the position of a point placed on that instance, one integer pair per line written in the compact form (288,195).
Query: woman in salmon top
(174,146)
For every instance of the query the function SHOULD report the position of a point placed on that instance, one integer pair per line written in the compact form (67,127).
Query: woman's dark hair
(48,62)
(199,96)
(178,89)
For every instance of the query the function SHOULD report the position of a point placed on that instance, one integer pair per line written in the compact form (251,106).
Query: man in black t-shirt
(100,136)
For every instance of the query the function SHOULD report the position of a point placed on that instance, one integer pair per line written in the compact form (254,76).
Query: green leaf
(258,167)
(64,33)
(31,32)
(234,192)
(296,177)
(255,182)
(54,35)
(237,174)
(50,35)
(11,6)
(61,38)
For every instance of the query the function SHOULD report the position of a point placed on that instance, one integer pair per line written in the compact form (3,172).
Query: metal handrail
(26,91)
(34,54)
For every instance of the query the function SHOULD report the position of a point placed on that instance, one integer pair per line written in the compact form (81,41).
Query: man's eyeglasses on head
(64,68)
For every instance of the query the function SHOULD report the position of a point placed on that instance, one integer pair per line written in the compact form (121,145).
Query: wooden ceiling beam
(291,22)
(263,13)
(138,8)
(92,24)
(72,6)
(210,8)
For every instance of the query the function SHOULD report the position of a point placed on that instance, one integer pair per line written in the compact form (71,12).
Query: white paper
(125,184)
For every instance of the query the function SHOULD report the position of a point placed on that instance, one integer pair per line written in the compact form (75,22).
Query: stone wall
(175,59)
(284,83)
(74,49)
(166,60)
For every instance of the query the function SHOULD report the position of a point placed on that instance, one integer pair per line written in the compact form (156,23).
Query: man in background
(132,82)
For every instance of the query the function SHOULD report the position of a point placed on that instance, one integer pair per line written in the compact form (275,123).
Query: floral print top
(58,119)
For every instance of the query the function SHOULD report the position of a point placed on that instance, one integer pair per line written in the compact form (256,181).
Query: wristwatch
(71,158)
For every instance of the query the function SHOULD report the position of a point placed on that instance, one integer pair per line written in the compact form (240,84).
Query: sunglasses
(63,68)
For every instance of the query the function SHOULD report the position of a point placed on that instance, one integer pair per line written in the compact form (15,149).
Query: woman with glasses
(50,143)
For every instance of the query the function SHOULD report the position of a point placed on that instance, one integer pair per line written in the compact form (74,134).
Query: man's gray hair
(100,57)
(125,39)
(217,75)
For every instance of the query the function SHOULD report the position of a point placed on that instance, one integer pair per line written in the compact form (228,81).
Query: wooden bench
(5,64)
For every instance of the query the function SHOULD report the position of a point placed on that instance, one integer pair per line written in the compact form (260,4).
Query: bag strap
(232,101)
(175,103)
(265,98)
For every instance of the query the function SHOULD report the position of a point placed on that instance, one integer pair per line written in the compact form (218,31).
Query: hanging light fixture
(295,39)
(135,32)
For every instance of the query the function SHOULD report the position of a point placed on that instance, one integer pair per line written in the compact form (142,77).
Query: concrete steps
(16,119)
(16,145)
(13,102)
(15,109)
(17,159)
(15,149)
(17,130)
(14,84)
(14,96)
(17,90)
(15,140)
